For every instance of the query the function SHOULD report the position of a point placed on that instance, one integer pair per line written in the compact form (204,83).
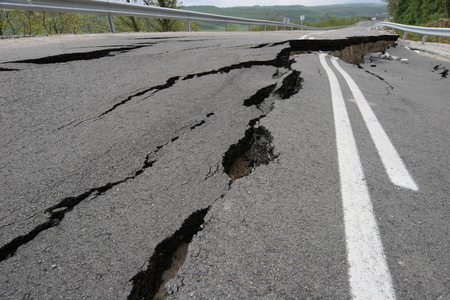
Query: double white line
(368,271)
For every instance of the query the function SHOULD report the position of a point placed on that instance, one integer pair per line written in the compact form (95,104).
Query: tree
(2,21)
(269,16)
(417,12)
(132,20)
(30,21)
(165,24)
(447,4)
(60,22)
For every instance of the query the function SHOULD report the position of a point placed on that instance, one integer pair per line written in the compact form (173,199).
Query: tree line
(418,12)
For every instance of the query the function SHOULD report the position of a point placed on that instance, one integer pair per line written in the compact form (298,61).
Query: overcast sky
(228,3)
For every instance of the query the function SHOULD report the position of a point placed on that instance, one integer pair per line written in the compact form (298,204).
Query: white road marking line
(368,271)
(312,38)
(395,168)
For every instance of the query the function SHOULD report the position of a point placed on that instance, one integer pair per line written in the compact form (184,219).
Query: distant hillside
(312,13)
(364,1)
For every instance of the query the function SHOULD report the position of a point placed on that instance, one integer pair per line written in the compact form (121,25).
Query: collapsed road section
(351,49)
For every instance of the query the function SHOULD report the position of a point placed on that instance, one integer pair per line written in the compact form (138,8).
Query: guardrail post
(404,35)
(112,29)
(276,29)
(188,25)
(424,39)
(226,27)
(249,27)
(265,27)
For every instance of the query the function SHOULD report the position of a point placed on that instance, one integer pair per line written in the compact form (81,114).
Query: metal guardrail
(127,9)
(426,31)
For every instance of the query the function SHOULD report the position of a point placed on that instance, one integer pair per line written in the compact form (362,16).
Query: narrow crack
(202,122)
(58,211)
(169,83)
(444,72)
(166,260)
(212,171)
(8,70)
(159,38)
(63,58)
(260,46)
(377,76)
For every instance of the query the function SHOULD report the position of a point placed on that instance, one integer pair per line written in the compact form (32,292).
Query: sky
(228,3)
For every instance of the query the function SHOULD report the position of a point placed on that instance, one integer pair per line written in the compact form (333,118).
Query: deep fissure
(291,85)
(150,282)
(260,96)
(253,150)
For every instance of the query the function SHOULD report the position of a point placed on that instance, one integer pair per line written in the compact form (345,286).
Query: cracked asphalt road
(104,159)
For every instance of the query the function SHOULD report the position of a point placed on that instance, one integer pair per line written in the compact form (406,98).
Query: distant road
(283,176)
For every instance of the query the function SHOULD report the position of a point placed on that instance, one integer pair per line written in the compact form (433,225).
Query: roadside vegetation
(428,13)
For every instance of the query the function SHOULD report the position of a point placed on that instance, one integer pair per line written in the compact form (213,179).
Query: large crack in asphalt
(149,283)
(77,56)
(58,211)
(282,59)
(254,149)
(260,96)
(351,50)
(8,70)
(169,83)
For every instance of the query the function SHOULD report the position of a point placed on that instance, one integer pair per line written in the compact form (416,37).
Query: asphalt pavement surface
(121,153)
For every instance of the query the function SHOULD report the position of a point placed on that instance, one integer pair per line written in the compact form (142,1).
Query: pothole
(167,259)
(253,150)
